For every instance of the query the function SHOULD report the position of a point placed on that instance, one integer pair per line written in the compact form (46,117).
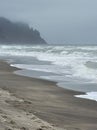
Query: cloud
(58,20)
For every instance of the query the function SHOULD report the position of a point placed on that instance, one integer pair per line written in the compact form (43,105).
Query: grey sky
(59,21)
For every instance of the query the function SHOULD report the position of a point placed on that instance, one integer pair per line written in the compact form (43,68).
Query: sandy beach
(34,104)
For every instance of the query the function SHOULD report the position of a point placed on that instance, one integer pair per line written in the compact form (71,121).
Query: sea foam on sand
(88,95)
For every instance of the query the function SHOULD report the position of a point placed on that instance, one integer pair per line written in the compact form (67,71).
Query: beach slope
(34,104)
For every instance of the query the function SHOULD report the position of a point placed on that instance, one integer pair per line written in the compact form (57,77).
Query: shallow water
(73,67)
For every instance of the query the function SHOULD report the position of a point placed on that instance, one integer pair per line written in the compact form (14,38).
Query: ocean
(72,67)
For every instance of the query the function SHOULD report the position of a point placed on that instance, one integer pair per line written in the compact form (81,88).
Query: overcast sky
(59,21)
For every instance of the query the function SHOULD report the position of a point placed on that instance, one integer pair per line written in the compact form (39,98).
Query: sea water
(72,67)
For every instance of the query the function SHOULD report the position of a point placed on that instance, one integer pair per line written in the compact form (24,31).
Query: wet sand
(34,104)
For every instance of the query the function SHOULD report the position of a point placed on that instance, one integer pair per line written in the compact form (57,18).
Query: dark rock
(18,33)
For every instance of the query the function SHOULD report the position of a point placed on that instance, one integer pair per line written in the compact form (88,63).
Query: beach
(48,65)
(29,103)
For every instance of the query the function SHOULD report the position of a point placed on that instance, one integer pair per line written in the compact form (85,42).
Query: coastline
(46,101)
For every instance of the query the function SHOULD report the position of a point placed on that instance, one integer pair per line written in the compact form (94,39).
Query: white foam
(89,95)
(81,71)
(61,57)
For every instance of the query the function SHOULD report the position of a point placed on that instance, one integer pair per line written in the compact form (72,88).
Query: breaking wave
(78,62)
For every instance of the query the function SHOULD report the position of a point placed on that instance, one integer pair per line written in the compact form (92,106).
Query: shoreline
(90,95)
(47,101)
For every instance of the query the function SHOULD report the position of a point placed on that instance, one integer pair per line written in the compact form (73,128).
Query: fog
(59,21)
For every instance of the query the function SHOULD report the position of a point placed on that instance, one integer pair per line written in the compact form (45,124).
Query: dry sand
(34,104)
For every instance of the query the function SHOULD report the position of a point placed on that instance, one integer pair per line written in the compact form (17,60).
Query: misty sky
(59,21)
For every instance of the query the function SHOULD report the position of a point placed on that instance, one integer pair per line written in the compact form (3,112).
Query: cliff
(18,33)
